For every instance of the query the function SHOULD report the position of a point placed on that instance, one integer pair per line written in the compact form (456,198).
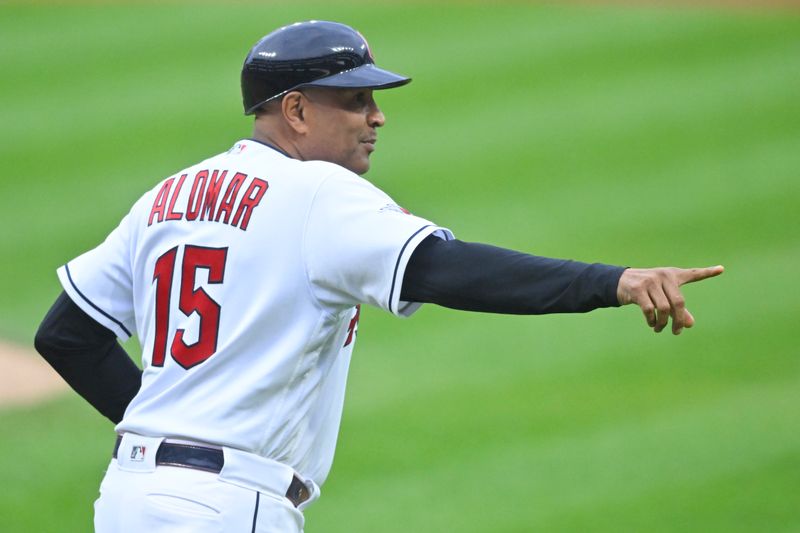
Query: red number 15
(191,300)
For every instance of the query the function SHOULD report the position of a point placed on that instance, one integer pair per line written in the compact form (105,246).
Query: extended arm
(88,357)
(479,277)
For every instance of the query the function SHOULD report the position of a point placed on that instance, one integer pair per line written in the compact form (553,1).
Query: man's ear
(293,109)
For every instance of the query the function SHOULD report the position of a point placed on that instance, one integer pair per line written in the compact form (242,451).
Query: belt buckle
(298,492)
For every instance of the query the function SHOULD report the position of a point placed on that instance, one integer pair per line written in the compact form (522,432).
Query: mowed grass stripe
(738,200)
(100,108)
(76,39)
(478,408)
(732,503)
(542,61)
(524,484)
(558,38)
(633,106)
(741,200)
(603,53)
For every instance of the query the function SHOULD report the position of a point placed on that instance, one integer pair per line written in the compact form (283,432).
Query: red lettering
(226,206)
(196,300)
(192,300)
(207,201)
(162,277)
(160,202)
(171,214)
(353,327)
(249,202)
(198,188)
(212,192)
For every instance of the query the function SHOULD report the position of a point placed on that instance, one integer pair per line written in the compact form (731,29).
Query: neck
(267,135)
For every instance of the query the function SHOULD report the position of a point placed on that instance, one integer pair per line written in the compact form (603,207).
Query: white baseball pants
(248,495)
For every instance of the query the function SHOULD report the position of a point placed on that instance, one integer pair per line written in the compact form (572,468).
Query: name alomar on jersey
(201,203)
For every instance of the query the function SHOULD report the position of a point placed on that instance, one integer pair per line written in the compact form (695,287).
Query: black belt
(210,460)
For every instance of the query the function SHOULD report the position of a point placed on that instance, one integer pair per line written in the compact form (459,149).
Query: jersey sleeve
(358,242)
(100,282)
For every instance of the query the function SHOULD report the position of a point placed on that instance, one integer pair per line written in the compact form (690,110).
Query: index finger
(689,275)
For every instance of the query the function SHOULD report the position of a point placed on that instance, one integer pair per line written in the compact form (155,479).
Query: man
(243,275)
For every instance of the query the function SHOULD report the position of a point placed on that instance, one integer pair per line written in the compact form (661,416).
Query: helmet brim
(366,76)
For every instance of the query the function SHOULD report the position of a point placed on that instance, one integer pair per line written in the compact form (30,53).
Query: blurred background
(634,135)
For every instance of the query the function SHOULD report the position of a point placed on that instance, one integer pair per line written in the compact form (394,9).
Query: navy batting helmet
(315,53)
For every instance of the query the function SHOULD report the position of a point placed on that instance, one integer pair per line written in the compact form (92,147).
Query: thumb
(689,320)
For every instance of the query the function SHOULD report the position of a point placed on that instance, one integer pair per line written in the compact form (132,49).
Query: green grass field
(635,136)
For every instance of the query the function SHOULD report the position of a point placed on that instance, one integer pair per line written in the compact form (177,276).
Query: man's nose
(376,118)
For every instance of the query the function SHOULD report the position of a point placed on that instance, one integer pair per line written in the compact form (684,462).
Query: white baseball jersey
(242,277)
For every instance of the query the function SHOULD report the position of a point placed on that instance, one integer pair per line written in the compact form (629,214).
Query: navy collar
(270,146)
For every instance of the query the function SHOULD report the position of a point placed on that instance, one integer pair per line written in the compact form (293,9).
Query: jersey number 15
(191,300)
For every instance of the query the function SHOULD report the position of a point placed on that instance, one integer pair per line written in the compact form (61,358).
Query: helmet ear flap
(312,53)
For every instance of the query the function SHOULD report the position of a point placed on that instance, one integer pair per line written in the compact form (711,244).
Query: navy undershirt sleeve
(89,358)
(480,277)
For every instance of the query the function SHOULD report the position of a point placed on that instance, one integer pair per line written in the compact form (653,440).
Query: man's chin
(360,167)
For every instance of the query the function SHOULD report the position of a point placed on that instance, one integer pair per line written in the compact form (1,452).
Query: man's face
(342,126)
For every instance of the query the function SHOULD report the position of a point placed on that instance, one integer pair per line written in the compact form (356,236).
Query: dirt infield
(25,378)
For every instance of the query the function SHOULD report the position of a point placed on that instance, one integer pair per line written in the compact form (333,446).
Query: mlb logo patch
(237,148)
(137,453)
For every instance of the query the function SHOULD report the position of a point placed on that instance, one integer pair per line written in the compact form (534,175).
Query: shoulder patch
(395,208)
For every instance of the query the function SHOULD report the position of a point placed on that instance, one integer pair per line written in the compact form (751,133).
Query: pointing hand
(657,292)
